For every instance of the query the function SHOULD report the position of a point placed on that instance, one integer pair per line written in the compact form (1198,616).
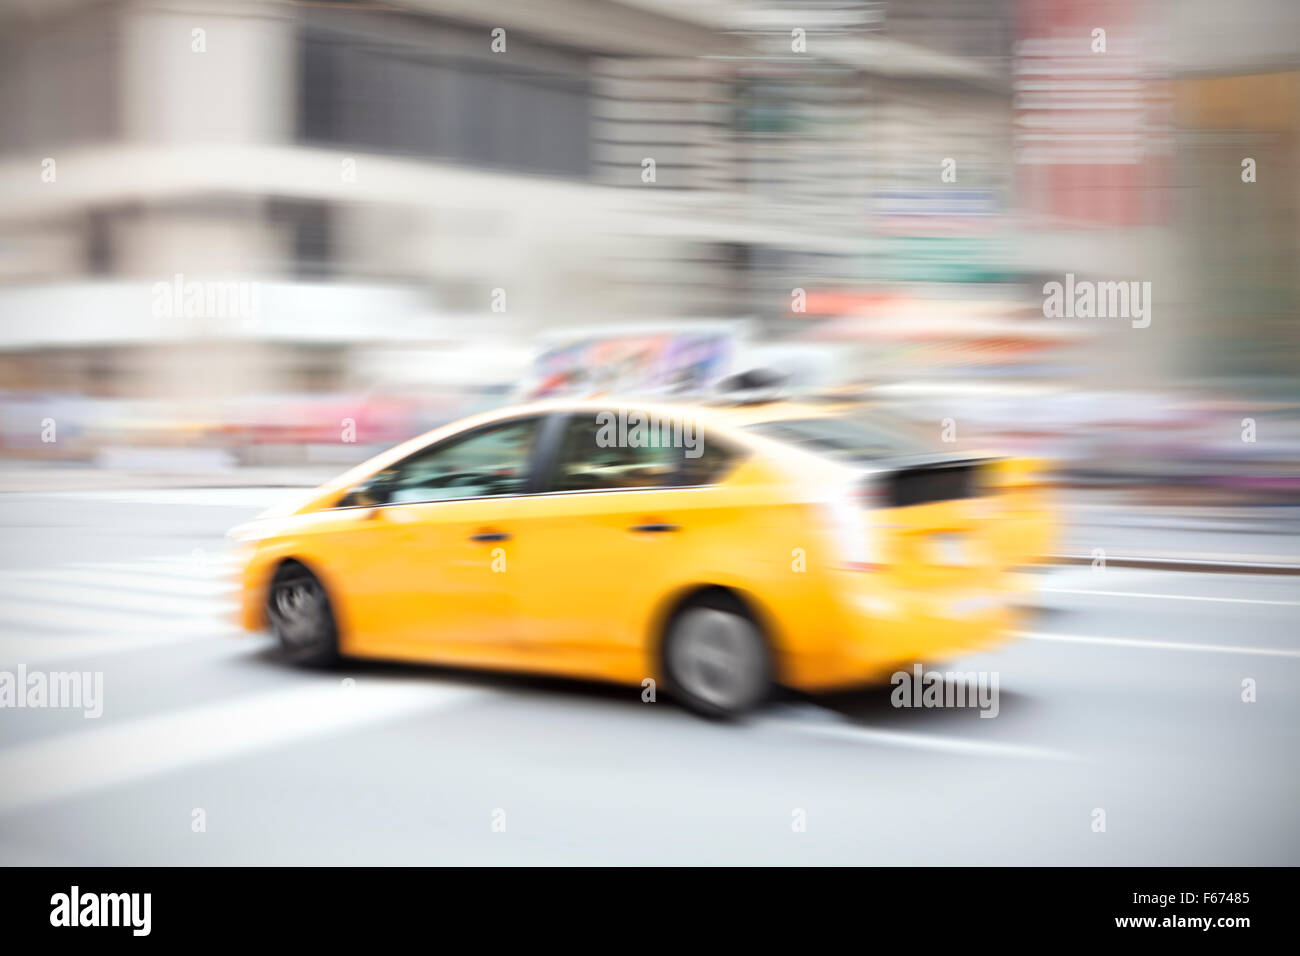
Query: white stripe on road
(176,596)
(46,770)
(1170,597)
(55,647)
(176,569)
(1157,645)
(125,579)
(840,729)
(164,603)
(21,615)
(48,613)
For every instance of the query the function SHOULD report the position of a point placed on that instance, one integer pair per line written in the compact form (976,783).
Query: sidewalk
(1205,562)
(1254,539)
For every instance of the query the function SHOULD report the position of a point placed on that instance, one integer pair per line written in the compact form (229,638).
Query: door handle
(490,536)
(653,527)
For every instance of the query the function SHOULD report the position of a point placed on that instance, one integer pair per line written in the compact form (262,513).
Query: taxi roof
(736,414)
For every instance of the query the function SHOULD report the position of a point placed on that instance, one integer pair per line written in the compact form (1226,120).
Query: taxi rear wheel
(717,661)
(301,617)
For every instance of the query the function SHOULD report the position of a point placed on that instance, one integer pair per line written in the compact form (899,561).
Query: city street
(1124,694)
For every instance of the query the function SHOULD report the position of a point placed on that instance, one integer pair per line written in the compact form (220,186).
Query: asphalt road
(1124,696)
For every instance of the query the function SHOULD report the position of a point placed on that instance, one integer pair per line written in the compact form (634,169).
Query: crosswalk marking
(48,648)
(174,573)
(65,593)
(16,615)
(121,578)
(107,607)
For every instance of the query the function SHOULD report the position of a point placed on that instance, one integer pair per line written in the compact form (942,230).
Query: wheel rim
(298,611)
(717,657)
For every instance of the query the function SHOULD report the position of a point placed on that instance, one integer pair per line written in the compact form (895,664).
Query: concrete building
(398,176)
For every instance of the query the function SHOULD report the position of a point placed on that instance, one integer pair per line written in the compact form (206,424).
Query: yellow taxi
(716,551)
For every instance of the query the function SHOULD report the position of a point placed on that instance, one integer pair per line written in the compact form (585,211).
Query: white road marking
(120,577)
(183,569)
(36,650)
(50,613)
(78,763)
(1157,645)
(47,593)
(840,729)
(1170,597)
(21,614)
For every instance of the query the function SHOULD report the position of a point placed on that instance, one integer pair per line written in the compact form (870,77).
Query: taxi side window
(491,461)
(601,451)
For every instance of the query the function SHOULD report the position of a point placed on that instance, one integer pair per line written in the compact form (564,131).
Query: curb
(1214,564)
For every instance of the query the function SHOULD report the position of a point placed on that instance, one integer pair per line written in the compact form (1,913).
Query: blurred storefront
(1241,240)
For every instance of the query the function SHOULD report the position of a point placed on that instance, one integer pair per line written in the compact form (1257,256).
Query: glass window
(848,438)
(636,450)
(424,87)
(491,461)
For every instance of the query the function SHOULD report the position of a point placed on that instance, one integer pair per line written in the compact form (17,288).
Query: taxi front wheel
(718,663)
(301,617)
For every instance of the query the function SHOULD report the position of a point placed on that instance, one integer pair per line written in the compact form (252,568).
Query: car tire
(717,662)
(302,618)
